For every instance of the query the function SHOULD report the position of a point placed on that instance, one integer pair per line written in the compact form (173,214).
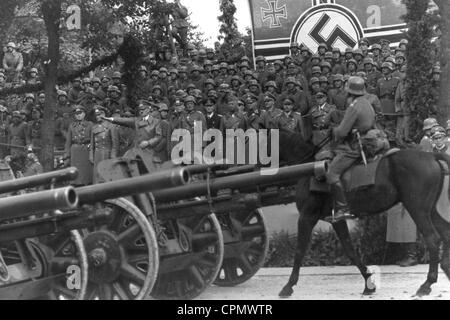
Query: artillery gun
(50,254)
(212,229)
(168,232)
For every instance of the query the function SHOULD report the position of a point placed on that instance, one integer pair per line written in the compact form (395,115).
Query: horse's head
(294,149)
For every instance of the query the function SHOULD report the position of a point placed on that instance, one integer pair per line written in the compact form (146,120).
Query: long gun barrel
(38,180)
(244,181)
(25,205)
(132,186)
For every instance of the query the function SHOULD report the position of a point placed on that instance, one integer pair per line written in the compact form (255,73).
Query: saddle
(355,178)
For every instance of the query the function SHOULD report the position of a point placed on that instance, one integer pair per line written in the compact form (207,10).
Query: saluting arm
(125,122)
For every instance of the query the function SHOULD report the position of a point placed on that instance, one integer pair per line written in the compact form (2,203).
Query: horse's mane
(294,149)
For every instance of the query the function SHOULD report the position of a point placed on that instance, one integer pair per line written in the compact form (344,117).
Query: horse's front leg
(306,222)
(343,234)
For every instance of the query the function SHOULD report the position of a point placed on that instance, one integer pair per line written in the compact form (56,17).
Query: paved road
(333,283)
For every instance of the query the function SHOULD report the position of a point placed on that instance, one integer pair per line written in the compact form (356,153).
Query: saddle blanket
(357,177)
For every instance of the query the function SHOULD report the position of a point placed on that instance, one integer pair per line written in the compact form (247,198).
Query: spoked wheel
(246,246)
(122,254)
(187,275)
(65,260)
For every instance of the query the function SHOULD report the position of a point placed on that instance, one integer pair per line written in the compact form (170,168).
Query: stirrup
(345,216)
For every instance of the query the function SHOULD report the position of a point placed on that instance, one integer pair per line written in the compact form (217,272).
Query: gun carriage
(164,231)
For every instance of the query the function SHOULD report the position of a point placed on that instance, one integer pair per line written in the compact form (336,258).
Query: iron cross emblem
(274,13)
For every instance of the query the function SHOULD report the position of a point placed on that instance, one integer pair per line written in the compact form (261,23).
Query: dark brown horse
(410,177)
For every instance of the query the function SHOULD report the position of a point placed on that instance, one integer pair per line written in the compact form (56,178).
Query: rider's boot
(411,256)
(341,208)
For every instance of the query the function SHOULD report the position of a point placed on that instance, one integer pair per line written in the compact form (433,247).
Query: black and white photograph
(231,156)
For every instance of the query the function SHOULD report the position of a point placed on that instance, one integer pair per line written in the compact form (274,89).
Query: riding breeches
(344,159)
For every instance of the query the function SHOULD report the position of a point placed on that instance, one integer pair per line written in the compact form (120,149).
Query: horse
(409,176)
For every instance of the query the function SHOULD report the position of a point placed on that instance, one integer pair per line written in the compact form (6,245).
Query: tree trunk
(444,97)
(51,10)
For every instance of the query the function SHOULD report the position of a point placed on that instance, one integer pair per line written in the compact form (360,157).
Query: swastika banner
(338,23)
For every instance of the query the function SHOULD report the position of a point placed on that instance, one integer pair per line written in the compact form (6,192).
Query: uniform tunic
(324,118)
(77,148)
(104,145)
(360,116)
(147,129)
(18,136)
(35,134)
(4,124)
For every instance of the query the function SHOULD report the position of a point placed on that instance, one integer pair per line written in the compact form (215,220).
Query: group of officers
(306,93)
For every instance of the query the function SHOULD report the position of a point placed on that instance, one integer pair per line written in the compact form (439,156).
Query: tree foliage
(421,25)
(235,45)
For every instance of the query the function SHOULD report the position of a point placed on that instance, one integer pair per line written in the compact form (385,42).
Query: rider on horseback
(359,118)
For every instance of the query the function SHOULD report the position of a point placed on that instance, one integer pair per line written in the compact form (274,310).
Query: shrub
(368,238)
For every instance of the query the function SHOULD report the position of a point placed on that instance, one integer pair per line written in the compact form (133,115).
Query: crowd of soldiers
(303,93)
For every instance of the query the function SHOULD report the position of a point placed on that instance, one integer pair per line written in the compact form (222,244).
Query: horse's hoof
(369,292)
(423,291)
(286,292)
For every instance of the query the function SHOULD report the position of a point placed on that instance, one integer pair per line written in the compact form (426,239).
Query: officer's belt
(387,96)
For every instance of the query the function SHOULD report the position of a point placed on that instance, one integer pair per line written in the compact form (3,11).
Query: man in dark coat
(77,146)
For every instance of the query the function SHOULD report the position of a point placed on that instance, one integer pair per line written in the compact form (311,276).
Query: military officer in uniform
(104,141)
(148,130)
(426,143)
(386,88)
(162,147)
(291,121)
(18,135)
(324,117)
(4,125)
(35,130)
(77,146)
(270,112)
(359,116)
(213,119)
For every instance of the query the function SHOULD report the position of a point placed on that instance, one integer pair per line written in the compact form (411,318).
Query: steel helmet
(210,81)
(375,46)
(338,77)
(352,61)
(271,84)
(356,86)
(437,132)
(143,68)
(316,69)
(358,51)
(387,65)
(328,55)
(117,75)
(325,64)
(429,123)
(260,58)
(314,80)
(190,99)
(11,44)
(368,61)
(290,80)
(315,56)
(62,93)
